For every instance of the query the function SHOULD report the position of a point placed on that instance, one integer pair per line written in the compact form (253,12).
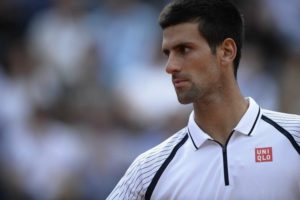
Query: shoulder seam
(287,134)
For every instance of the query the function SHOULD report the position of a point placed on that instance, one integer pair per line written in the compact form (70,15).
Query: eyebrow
(177,46)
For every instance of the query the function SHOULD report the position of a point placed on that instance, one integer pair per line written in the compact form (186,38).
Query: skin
(204,79)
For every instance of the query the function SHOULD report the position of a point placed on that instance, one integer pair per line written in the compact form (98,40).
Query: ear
(227,51)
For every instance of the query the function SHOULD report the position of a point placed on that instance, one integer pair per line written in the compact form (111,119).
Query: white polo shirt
(260,160)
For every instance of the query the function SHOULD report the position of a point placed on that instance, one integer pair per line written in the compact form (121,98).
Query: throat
(221,137)
(218,127)
(218,121)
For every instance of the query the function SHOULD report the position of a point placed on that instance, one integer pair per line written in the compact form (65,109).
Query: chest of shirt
(247,168)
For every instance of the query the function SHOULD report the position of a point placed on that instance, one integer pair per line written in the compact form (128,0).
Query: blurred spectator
(16,101)
(58,40)
(126,33)
(45,156)
(14,18)
(38,153)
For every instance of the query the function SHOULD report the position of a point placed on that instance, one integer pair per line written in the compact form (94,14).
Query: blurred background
(83,89)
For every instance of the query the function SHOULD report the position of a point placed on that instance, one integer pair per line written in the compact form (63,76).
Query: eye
(183,49)
(166,52)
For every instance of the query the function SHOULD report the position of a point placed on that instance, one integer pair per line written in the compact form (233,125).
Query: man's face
(194,69)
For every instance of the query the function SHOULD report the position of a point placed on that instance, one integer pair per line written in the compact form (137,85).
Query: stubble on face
(198,91)
(188,94)
(187,97)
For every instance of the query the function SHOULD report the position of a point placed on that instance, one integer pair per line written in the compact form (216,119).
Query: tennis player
(231,148)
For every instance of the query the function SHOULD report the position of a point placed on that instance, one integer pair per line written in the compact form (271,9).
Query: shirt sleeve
(130,187)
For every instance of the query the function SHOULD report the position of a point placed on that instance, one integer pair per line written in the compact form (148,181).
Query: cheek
(205,75)
(202,65)
(212,69)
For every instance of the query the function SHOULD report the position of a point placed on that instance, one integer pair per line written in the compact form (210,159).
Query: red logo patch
(263,154)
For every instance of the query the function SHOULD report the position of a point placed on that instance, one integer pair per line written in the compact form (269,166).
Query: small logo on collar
(263,154)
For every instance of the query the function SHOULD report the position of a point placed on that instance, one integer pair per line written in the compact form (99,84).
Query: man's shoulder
(284,119)
(287,124)
(142,172)
(162,150)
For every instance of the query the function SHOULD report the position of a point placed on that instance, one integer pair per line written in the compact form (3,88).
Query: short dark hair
(217,19)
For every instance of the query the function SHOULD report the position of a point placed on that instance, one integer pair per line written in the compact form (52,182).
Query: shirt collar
(249,120)
(245,126)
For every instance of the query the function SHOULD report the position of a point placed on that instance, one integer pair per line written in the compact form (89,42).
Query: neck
(219,114)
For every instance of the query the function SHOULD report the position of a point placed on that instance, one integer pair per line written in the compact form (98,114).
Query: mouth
(179,82)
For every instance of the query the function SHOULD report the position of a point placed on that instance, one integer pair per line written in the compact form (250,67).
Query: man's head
(216,19)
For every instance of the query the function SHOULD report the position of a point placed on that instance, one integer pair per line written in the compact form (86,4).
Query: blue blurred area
(83,88)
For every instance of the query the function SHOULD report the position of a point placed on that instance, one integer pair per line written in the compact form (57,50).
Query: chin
(184,100)
(187,97)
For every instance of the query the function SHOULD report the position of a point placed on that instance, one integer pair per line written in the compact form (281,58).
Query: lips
(179,82)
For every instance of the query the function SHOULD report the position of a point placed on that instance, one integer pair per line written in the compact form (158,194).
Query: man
(231,148)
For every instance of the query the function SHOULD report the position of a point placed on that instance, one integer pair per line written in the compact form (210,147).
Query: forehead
(181,33)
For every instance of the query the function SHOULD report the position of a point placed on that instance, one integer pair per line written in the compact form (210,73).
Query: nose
(173,65)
